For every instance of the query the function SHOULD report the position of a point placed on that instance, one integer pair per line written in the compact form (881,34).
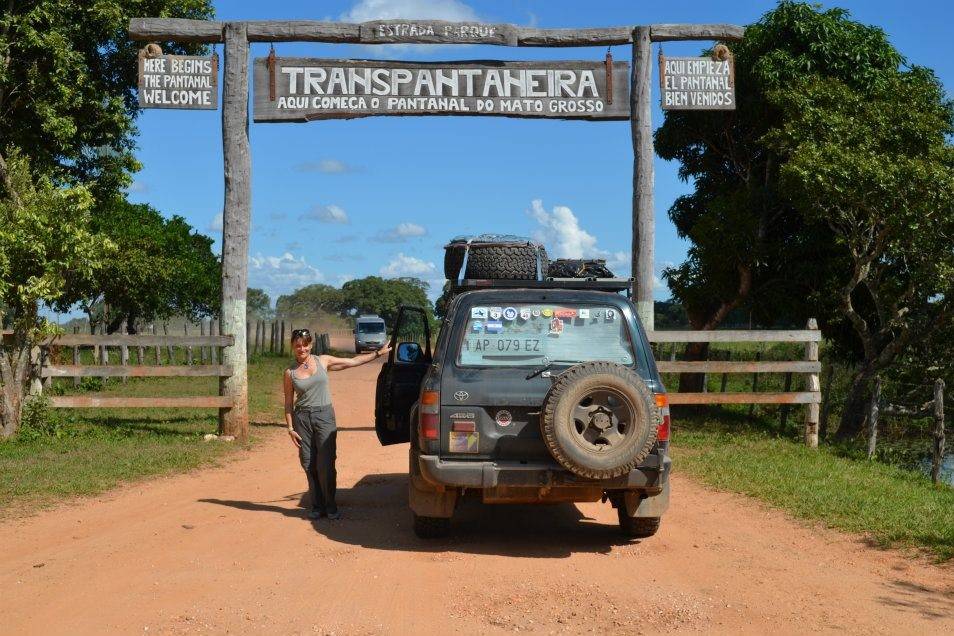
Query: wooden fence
(147,355)
(138,346)
(272,336)
(810,395)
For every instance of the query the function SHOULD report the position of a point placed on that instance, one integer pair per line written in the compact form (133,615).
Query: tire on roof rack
(579,268)
(495,256)
(508,262)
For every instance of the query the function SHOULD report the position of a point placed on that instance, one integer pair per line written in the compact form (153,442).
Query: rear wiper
(537,372)
(548,366)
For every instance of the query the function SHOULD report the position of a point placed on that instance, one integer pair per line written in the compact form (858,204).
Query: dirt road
(229,550)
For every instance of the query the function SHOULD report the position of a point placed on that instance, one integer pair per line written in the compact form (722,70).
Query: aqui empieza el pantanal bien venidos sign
(177,81)
(698,83)
(303,89)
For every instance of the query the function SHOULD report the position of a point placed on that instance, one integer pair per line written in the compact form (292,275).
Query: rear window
(531,334)
(370,327)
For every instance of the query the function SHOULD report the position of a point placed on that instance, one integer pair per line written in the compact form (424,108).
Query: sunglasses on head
(300,333)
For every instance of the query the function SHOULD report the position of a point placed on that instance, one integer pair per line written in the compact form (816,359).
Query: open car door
(399,382)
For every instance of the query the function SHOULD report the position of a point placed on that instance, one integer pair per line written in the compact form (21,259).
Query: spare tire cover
(599,420)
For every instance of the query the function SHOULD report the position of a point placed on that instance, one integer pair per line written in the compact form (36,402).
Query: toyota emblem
(460,396)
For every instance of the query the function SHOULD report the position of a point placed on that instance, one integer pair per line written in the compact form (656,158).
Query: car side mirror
(409,352)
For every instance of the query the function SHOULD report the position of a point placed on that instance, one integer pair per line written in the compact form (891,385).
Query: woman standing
(310,417)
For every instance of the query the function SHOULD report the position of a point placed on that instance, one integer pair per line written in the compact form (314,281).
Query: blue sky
(334,200)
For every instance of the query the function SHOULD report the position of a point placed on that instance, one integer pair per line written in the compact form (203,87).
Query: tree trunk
(853,416)
(693,382)
(14,364)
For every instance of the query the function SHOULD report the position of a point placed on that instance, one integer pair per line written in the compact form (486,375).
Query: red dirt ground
(229,550)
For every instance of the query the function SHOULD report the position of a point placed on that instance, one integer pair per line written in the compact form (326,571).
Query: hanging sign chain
(271,74)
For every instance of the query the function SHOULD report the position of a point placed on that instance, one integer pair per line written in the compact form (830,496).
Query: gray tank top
(311,391)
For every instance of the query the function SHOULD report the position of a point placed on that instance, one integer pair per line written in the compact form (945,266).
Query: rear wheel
(637,527)
(431,527)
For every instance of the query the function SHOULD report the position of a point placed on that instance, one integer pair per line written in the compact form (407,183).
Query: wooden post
(235,227)
(36,371)
(248,337)
(829,375)
(124,352)
(873,409)
(643,213)
(755,384)
(189,359)
(258,336)
(937,456)
(202,357)
(725,376)
(213,350)
(76,358)
(281,347)
(170,354)
(158,357)
(811,384)
(783,412)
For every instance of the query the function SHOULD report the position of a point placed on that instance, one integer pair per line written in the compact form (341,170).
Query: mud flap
(638,506)
(426,500)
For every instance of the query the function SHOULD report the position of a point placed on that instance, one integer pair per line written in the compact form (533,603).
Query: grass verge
(891,506)
(88,451)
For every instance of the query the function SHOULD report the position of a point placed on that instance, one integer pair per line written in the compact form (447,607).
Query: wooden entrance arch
(236,35)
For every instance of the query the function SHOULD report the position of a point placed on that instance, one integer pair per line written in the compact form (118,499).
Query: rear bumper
(492,474)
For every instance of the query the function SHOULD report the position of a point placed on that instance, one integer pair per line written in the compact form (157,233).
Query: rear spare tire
(599,420)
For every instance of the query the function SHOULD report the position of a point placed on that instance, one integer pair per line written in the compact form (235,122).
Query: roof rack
(601,284)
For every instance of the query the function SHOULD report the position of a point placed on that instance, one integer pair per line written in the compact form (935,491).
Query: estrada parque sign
(304,89)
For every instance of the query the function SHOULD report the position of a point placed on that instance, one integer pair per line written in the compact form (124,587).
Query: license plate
(463,442)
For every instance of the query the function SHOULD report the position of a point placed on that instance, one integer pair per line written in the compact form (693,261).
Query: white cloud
(326,166)
(401,233)
(281,274)
(402,265)
(451,10)
(137,187)
(326,214)
(216,224)
(560,231)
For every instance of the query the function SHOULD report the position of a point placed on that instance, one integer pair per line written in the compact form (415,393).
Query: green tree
(309,301)
(876,168)
(375,295)
(166,269)
(45,241)
(258,304)
(67,76)
(749,243)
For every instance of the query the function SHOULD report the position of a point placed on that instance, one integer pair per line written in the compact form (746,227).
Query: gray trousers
(318,431)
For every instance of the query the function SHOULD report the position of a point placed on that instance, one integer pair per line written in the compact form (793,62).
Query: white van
(370,333)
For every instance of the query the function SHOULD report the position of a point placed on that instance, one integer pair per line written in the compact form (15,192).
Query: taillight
(662,431)
(430,415)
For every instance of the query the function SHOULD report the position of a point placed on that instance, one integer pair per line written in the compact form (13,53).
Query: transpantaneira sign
(303,89)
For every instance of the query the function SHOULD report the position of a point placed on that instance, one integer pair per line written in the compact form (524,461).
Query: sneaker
(334,515)
(316,514)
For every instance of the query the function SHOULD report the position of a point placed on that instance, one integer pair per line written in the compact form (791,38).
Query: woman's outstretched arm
(333,363)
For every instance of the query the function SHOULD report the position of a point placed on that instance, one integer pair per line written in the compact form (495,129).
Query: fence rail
(810,396)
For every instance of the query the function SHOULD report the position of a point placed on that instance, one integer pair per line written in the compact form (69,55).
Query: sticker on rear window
(478,312)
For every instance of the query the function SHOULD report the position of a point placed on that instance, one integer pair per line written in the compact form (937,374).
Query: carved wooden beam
(419,31)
